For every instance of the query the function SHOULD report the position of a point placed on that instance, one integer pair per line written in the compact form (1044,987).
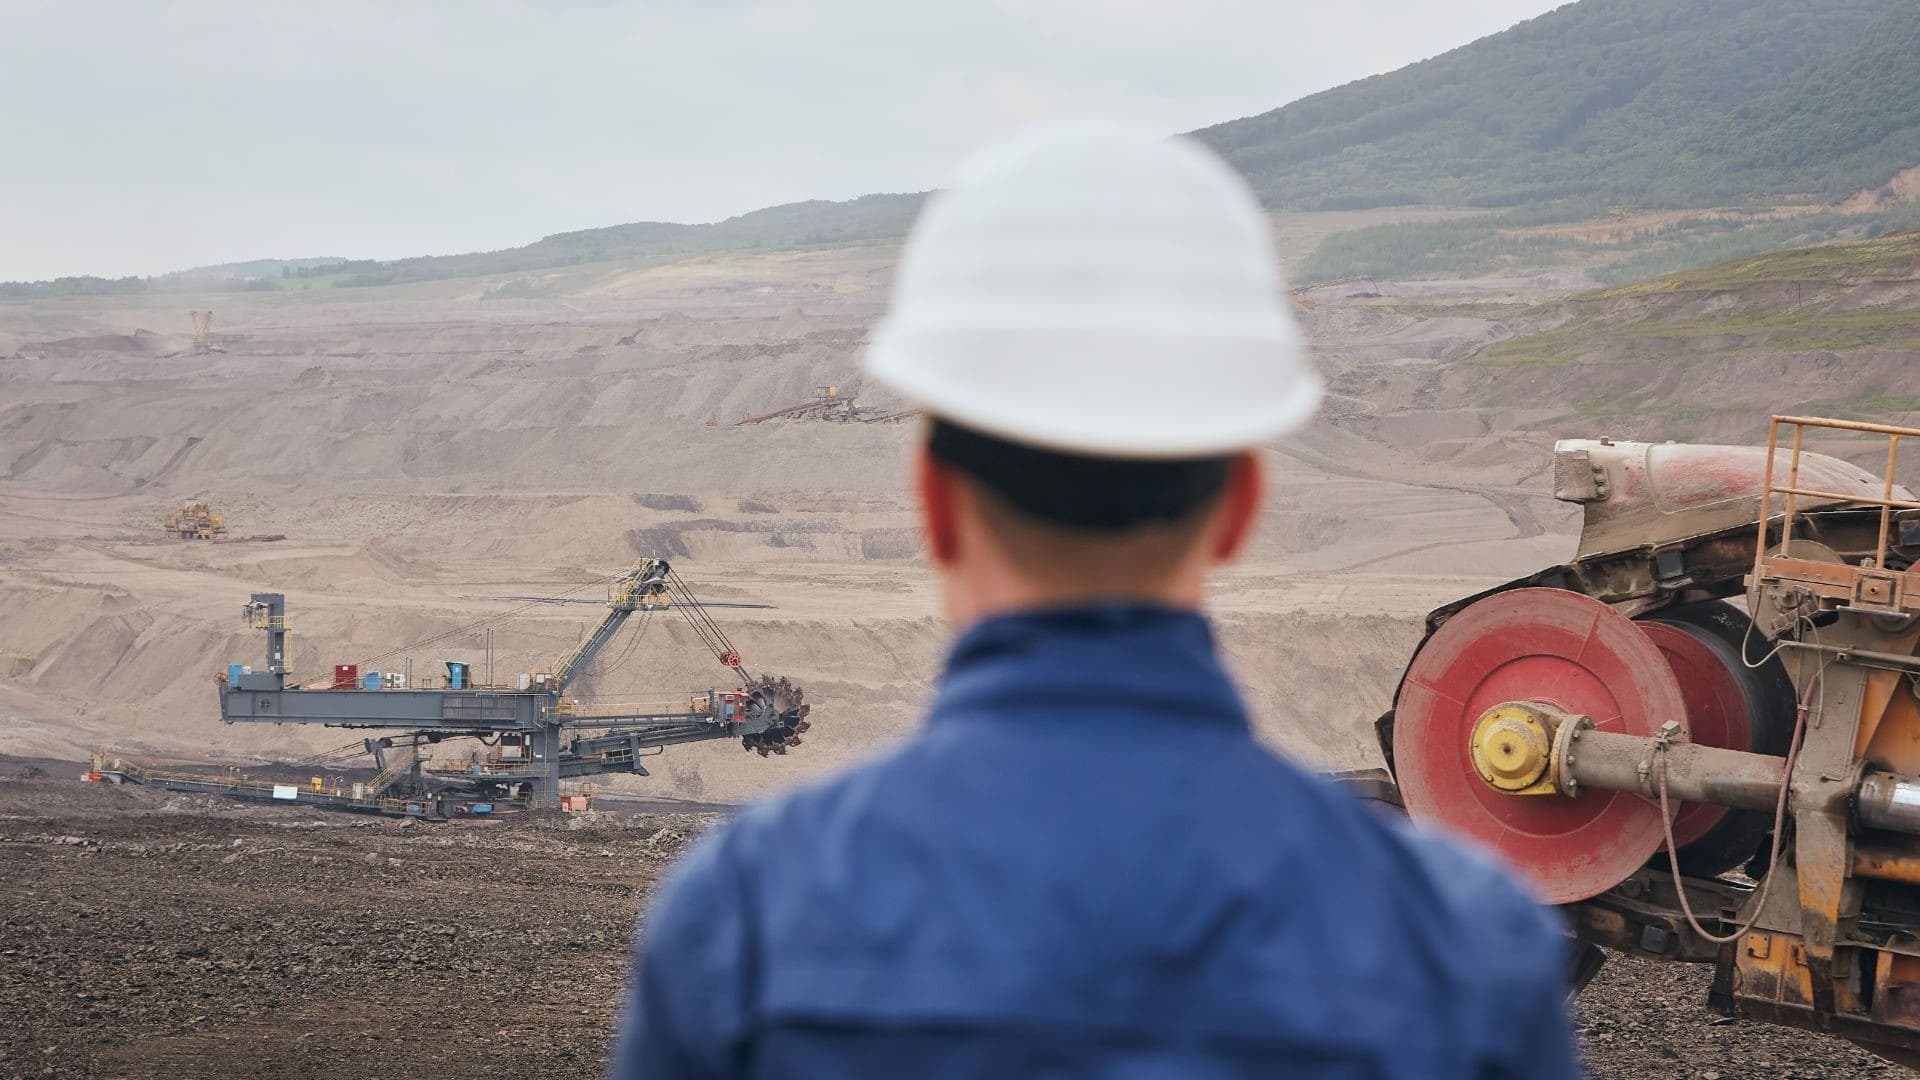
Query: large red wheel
(1561,649)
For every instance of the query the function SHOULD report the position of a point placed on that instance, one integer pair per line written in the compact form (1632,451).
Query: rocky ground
(147,935)
(150,935)
(1643,1019)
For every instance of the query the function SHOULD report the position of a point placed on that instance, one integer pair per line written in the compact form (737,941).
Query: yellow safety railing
(698,703)
(400,765)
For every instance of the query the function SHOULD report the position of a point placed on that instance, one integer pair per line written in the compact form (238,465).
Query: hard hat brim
(1123,405)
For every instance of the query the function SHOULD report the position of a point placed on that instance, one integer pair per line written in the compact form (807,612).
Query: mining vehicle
(829,404)
(204,339)
(528,736)
(196,521)
(1701,735)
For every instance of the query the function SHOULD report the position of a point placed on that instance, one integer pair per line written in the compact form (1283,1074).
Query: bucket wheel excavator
(539,733)
(1701,736)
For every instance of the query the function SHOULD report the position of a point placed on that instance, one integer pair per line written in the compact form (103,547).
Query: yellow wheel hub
(1512,749)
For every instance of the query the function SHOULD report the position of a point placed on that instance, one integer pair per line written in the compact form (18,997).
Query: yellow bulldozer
(197,521)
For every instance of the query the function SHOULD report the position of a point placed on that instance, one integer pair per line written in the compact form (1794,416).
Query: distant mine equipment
(1691,780)
(829,404)
(754,604)
(204,339)
(1350,287)
(197,521)
(527,737)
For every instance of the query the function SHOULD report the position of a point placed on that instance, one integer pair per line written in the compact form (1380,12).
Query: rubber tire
(1773,703)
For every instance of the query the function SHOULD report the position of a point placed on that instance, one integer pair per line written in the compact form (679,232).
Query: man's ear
(1239,506)
(935,483)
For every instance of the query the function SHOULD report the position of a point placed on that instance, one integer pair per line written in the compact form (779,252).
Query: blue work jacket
(1085,865)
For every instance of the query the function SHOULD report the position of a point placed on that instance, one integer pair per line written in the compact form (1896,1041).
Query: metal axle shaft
(1585,757)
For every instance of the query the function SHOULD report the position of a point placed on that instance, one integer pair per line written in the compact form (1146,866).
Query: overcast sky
(142,137)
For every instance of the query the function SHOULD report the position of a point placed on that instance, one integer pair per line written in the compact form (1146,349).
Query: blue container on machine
(233,673)
(370,681)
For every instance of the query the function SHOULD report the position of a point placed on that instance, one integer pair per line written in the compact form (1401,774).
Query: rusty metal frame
(1827,773)
(1868,588)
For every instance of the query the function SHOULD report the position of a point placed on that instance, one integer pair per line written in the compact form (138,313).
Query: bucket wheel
(776,715)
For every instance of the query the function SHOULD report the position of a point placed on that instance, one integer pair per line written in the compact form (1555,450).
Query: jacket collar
(1141,659)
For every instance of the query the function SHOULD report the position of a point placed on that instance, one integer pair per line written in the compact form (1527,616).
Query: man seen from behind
(1085,864)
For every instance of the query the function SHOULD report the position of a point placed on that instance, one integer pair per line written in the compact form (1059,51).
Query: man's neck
(972,598)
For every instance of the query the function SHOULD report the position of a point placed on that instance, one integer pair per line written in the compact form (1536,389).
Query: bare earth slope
(425,448)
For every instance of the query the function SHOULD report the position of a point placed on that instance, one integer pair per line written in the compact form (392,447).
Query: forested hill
(802,224)
(1643,102)
(1840,124)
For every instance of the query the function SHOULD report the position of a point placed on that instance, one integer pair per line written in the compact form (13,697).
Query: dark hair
(1091,493)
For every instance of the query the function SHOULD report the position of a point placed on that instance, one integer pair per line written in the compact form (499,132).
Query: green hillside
(1835,297)
(1709,352)
(1646,102)
(785,227)
(802,224)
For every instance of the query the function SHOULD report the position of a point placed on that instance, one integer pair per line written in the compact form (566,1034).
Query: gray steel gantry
(561,741)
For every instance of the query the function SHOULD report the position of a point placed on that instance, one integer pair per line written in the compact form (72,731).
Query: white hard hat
(1102,291)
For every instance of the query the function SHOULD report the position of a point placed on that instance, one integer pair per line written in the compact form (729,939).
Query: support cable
(704,625)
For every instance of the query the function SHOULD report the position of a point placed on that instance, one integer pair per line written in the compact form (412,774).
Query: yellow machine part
(1890,723)
(1513,751)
